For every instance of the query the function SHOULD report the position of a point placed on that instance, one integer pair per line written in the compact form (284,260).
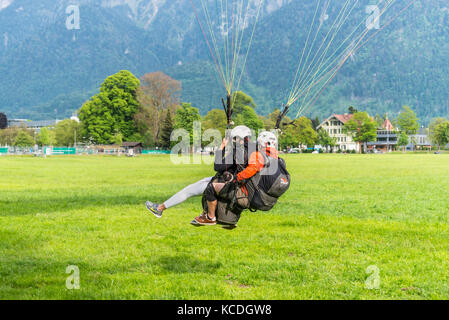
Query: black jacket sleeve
(223,161)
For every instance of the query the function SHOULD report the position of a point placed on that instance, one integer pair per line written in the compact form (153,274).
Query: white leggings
(195,189)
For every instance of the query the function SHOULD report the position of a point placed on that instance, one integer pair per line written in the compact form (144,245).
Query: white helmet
(241,132)
(267,139)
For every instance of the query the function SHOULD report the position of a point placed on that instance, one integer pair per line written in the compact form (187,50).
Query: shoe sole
(195,223)
(224,226)
(204,224)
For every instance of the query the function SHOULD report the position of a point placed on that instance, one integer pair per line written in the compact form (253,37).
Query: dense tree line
(149,109)
(64,134)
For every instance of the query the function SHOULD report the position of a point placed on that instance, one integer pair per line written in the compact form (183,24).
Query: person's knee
(218,187)
(210,193)
(206,180)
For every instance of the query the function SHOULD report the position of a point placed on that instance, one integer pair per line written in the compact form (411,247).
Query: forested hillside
(49,71)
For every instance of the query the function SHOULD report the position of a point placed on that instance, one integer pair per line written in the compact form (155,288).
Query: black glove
(239,183)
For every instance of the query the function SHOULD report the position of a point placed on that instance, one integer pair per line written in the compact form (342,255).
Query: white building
(334,127)
(35,125)
(420,140)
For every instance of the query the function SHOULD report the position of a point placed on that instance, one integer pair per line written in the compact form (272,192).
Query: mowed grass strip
(342,214)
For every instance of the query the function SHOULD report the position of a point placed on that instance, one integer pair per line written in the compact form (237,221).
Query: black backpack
(279,181)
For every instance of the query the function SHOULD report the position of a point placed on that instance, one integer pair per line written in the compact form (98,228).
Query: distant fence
(63,151)
(55,151)
(146,152)
(15,151)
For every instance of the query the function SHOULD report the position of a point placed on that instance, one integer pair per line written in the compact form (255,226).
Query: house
(387,138)
(420,141)
(38,125)
(133,148)
(107,149)
(334,127)
(17,122)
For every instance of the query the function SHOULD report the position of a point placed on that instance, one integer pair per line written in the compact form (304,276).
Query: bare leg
(211,207)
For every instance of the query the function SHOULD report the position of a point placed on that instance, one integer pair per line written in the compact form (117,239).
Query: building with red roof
(387,138)
(334,127)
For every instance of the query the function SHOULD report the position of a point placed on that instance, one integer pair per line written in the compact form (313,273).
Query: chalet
(334,127)
(133,148)
(107,149)
(387,138)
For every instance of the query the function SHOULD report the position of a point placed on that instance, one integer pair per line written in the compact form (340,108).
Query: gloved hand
(240,183)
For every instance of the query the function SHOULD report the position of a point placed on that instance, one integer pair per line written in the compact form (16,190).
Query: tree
(270,121)
(325,140)
(3,121)
(306,134)
(240,100)
(243,111)
(167,128)
(315,123)
(299,132)
(362,128)
(118,139)
(442,134)
(111,111)
(288,138)
(157,93)
(352,110)
(67,132)
(379,120)
(249,118)
(432,129)
(268,124)
(185,116)
(403,140)
(215,119)
(46,137)
(24,139)
(8,136)
(407,121)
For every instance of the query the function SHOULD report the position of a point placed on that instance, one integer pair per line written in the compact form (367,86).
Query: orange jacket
(256,163)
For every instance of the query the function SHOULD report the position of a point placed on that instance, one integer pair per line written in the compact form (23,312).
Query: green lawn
(342,214)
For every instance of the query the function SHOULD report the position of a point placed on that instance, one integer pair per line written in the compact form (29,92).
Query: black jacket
(224,162)
(232,161)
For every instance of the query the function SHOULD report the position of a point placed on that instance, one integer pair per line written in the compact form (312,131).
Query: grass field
(341,215)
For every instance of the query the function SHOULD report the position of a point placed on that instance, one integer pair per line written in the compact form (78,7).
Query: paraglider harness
(234,198)
(260,192)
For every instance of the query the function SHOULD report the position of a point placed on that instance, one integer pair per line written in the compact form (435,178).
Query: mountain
(49,70)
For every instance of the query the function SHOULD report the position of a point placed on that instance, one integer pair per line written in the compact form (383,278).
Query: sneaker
(153,208)
(195,223)
(204,220)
